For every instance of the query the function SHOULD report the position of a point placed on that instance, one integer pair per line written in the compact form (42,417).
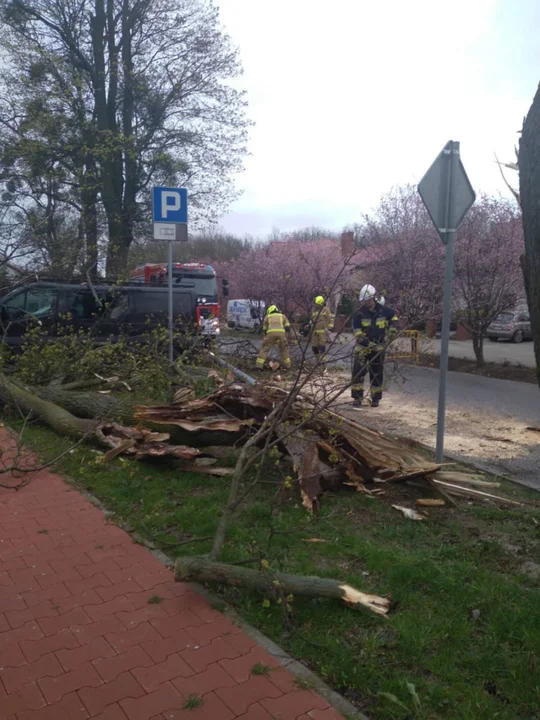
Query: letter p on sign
(170,202)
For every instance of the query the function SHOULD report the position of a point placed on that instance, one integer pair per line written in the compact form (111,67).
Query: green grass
(193,702)
(432,659)
(260,669)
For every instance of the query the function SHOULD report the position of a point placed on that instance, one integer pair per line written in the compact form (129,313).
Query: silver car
(514,325)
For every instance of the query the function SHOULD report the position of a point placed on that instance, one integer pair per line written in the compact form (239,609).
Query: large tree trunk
(90,405)
(207,571)
(89,200)
(529,186)
(60,420)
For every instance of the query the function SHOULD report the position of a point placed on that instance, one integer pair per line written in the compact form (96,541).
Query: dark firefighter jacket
(370,326)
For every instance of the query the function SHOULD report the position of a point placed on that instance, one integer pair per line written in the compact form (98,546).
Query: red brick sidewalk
(81,638)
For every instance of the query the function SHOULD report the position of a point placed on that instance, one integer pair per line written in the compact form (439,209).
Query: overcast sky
(350,97)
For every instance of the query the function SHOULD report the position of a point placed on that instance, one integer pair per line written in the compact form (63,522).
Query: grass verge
(464,637)
(500,371)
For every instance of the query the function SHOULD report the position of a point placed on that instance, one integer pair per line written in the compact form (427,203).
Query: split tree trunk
(207,571)
(529,187)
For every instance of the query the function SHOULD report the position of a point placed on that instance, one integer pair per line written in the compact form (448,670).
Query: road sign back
(446,191)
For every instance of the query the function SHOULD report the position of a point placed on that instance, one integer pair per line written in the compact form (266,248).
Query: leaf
(412,692)
(393,699)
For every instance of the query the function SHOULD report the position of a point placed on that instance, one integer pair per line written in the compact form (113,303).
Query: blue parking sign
(169,205)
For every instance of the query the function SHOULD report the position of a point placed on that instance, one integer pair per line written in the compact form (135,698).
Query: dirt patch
(508,371)
(531,570)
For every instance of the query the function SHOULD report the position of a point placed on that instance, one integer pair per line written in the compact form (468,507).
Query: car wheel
(518,336)
(494,339)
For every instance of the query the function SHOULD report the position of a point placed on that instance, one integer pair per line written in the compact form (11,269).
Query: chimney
(347,244)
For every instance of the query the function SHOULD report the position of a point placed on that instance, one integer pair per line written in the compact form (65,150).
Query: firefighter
(275,328)
(322,321)
(370,326)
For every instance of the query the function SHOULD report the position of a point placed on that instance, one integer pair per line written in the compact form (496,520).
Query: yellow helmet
(272,309)
(319,300)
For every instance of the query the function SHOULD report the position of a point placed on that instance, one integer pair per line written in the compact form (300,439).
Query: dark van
(108,311)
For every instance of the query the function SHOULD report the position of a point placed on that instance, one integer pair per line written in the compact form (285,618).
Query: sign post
(169,211)
(448,195)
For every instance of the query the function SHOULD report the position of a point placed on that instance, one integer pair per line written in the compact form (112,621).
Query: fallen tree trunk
(207,571)
(56,417)
(90,405)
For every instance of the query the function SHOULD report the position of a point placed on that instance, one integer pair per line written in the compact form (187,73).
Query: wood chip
(430,502)
(458,477)
(409,512)
(470,492)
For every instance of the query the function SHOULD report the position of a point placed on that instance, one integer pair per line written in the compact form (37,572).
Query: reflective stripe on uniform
(259,361)
(366,323)
(381,323)
(275,330)
(395,318)
(319,332)
(358,333)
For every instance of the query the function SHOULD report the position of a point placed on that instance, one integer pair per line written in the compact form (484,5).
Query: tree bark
(90,405)
(89,201)
(529,186)
(478,347)
(60,420)
(207,571)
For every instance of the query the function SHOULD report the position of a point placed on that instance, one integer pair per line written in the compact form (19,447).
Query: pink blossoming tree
(487,270)
(289,274)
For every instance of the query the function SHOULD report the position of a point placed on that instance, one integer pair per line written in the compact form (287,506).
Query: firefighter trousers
(271,339)
(318,342)
(365,361)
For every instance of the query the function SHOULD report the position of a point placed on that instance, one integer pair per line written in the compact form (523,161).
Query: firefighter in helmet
(275,328)
(322,322)
(370,326)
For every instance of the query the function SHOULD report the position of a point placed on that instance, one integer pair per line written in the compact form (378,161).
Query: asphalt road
(486,419)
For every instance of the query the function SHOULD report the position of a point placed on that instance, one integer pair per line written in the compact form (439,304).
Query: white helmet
(366,293)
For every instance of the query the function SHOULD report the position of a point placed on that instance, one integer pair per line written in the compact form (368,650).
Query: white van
(245,314)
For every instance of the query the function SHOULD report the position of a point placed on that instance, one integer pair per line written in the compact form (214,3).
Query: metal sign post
(448,195)
(169,211)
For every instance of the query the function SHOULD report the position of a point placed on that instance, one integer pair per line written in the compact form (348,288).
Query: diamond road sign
(446,191)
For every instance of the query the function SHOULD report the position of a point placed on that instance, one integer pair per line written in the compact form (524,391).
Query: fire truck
(196,279)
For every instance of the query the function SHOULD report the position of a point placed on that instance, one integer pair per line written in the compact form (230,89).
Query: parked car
(514,325)
(105,310)
(245,314)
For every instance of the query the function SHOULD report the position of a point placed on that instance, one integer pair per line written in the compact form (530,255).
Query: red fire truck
(197,279)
